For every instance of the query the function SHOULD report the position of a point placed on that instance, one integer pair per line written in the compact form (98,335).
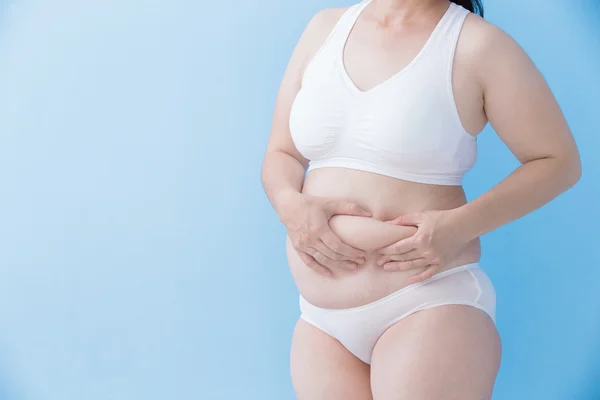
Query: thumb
(412,219)
(346,208)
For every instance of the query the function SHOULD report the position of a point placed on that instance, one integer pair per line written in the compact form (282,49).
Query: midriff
(386,198)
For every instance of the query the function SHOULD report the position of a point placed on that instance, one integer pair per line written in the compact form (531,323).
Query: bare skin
(350,288)
(322,369)
(334,217)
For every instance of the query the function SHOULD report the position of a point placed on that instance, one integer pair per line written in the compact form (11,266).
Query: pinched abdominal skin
(348,288)
(368,234)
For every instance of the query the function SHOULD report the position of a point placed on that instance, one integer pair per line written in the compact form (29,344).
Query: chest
(371,56)
(401,116)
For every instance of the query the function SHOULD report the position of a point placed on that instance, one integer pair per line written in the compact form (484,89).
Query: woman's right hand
(316,244)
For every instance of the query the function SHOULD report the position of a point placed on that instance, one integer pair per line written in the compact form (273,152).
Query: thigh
(323,369)
(447,352)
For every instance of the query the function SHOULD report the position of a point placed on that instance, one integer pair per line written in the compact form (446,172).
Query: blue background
(139,256)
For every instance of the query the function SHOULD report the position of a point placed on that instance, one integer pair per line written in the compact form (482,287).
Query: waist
(368,283)
(386,198)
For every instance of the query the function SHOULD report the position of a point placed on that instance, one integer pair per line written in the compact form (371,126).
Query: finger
(412,219)
(428,273)
(346,207)
(409,255)
(328,262)
(313,264)
(406,265)
(401,247)
(338,259)
(343,250)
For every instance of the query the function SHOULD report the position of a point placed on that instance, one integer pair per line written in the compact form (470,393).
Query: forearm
(282,177)
(526,189)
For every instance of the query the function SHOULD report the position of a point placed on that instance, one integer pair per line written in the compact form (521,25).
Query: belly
(386,198)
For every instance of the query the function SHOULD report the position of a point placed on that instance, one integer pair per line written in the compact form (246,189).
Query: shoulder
(316,32)
(312,38)
(320,26)
(489,48)
(481,35)
(324,20)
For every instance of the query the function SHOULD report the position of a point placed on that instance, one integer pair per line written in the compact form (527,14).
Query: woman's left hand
(435,243)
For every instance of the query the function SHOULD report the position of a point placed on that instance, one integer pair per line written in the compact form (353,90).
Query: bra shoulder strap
(341,29)
(446,37)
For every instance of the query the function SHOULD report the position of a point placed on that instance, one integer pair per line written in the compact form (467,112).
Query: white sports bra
(406,127)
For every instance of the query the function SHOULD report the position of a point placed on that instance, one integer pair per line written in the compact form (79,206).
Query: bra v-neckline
(342,66)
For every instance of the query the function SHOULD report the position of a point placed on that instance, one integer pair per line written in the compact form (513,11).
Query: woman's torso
(386,197)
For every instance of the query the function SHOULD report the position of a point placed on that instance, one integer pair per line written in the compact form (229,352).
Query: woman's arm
(282,173)
(524,113)
(283,167)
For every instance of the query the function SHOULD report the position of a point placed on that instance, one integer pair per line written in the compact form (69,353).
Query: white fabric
(359,328)
(406,127)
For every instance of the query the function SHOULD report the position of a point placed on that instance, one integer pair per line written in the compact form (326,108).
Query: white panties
(359,328)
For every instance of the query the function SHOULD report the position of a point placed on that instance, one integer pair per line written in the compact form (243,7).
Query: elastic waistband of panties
(450,271)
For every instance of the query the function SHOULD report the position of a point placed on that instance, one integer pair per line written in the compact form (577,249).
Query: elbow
(573,171)
(576,175)
(264,173)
